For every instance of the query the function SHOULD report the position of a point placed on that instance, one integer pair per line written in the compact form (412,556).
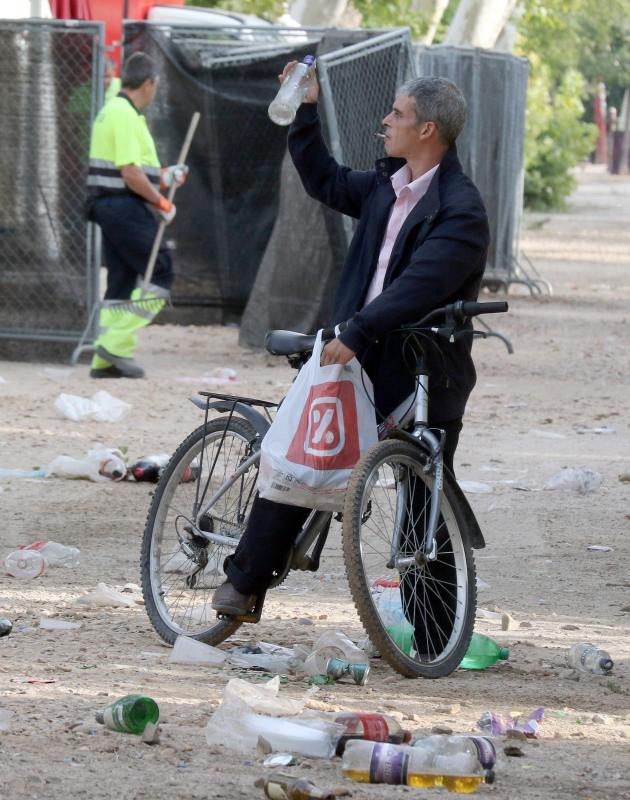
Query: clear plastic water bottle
(285,104)
(25,564)
(129,714)
(56,555)
(585,657)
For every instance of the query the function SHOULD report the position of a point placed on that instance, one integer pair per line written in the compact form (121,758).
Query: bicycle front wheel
(419,613)
(181,569)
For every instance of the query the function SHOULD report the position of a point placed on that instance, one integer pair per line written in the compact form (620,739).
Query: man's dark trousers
(273,527)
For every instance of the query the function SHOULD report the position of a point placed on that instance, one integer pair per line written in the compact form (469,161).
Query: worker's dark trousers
(129,229)
(273,527)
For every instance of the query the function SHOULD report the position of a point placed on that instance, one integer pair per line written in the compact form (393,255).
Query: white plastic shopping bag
(324,424)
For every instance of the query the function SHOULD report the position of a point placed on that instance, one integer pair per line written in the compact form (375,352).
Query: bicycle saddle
(286,343)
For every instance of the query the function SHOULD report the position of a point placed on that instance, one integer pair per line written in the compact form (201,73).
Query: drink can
(336,668)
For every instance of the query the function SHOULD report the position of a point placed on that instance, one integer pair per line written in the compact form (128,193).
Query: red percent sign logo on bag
(327,436)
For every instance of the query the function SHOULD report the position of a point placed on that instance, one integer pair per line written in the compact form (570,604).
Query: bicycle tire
(422,633)
(240,440)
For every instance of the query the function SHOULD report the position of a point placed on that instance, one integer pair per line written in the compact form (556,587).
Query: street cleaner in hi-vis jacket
(124,183)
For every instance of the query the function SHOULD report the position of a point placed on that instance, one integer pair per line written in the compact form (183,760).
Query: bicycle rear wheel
(180,569)
(419,614)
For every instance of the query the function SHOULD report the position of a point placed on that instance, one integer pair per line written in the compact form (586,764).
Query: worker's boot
(119,324)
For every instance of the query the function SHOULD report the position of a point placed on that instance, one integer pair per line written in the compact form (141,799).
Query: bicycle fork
(404,504)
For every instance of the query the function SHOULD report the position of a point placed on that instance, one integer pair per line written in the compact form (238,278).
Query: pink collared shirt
(407,196)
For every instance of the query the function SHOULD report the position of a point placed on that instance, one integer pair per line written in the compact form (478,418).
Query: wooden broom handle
(183,155)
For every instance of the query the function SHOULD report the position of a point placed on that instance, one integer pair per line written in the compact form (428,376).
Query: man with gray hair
(420,242)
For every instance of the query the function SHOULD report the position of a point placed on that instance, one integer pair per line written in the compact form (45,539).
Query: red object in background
(112,13)
(70,9)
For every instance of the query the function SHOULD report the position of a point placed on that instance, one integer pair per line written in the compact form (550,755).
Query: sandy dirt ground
(561,399)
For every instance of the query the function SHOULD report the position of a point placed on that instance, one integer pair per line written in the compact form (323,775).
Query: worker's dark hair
(138,68)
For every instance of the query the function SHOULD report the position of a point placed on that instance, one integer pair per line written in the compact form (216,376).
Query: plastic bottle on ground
(483,652)
(287,787)
(149,468)
(480,748)
(363,725)
(97,465)
(285,104)
(373,762)
(56,554)
(336,668)
(585,657)
(129,714)
(25,564)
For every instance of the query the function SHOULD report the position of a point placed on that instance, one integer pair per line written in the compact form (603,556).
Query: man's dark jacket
(438,257)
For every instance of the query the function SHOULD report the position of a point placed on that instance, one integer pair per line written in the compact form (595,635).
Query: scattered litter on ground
(55,554)
(601,548)
(219,376)
(104,596)
(25,564)
(506,621)
(36,472)
(496,725)
(546,434)
(605,429)
(6,626)
(475,487)
(280,760)
(102,407)
(581,480)
(132,714)
(98,464)
(52,624)
(190,651)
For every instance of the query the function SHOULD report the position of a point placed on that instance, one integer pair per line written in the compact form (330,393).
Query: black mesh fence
(50,89)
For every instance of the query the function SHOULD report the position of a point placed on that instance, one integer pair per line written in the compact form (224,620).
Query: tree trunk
(432,12)
(327,13)
(479,23)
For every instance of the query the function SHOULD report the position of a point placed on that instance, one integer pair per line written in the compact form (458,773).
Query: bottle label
(375,728)
(388,765)
(486,751)
(113,718)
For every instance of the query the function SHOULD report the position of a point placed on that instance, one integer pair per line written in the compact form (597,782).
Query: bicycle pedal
(255,614)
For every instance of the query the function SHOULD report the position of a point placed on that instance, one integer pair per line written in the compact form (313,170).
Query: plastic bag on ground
(190,651)
(249,711)
(270,657)
(577,480)
(102,407)
(105,596)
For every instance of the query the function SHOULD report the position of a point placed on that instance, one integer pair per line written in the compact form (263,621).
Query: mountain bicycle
(408,532)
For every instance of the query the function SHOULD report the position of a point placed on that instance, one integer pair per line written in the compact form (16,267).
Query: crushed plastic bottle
(25,564)
(585,657)
(580,480)
(483,652)
(373,762)
(333,645)
(56,554)
(129,714)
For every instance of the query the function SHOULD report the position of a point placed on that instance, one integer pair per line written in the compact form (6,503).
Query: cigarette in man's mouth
(379,135)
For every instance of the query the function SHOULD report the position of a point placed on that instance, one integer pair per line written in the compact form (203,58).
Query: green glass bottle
(483,652)
(129,714)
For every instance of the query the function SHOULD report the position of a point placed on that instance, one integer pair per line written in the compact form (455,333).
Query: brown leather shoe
(227,600)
